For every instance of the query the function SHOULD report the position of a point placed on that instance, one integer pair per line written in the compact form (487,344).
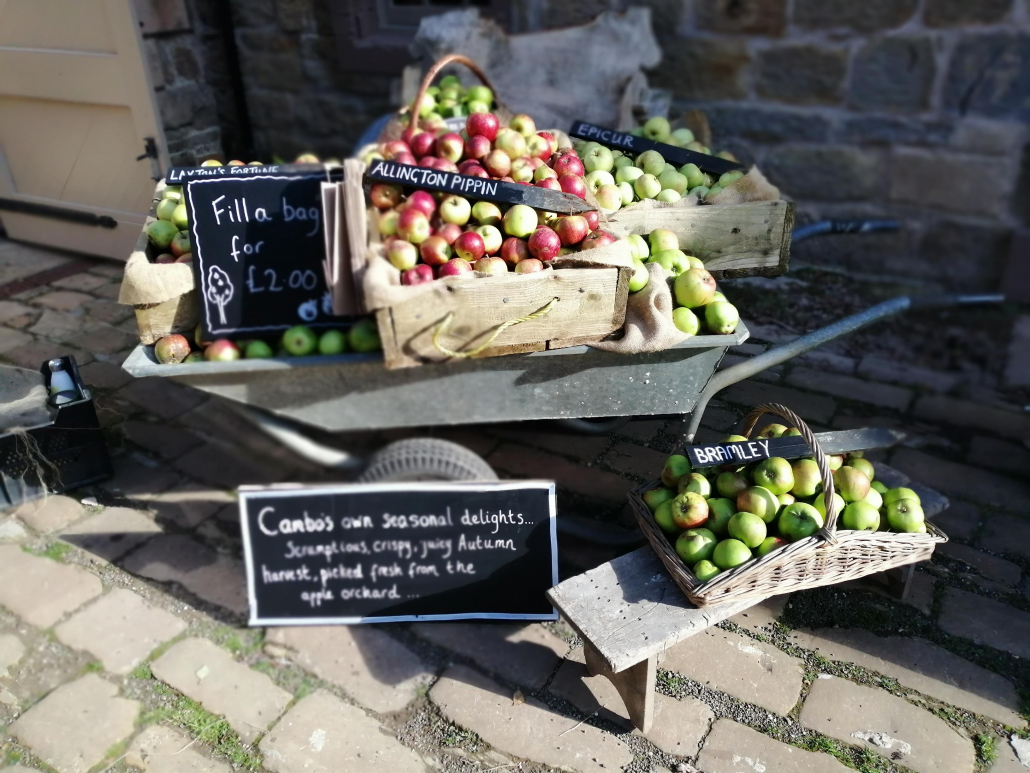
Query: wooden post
(636,685)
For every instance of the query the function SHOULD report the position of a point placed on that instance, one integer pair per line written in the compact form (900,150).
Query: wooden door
(76,110)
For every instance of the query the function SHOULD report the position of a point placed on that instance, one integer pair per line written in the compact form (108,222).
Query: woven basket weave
(829,556)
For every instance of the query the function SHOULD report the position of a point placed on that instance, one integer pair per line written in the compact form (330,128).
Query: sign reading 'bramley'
(746,451)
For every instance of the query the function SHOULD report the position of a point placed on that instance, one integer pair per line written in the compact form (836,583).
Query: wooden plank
(630,609)
(636,685)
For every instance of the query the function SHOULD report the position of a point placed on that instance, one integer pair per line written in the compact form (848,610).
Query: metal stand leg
(636,685)
(900,580)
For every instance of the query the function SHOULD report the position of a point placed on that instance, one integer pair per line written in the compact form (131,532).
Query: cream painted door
(76,107)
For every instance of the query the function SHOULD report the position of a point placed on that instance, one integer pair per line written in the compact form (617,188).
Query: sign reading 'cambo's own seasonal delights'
(389,552)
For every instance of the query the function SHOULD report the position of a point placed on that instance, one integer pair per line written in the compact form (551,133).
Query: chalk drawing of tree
(219,289)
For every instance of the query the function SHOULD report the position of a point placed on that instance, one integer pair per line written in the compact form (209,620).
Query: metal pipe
(300,444)
(778,354)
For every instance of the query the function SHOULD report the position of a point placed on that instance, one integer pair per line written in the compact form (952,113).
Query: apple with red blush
(417,275)
(544,244)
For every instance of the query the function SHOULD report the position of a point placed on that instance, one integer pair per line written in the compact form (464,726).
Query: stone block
(138,476)
(989,75)
(203,671)
(1006,534)
(747,669)
(104,339)
(322,733)
(11,651)
(13,339)
(851,388)
(989,138)
(41,591)
(111,533)
(120,630)
(986,621)
(827,172)
(227,467)
(886,725)
(761,124)
(528,729)
(524,654)
(802,74)
(73,727)
(1003,421)
(62,300)
(869,16)
(188,504)
(11,530)
(893,74)
(636,460)
(270,41)
(1017,368)
(104,375)
(273,71)
(891,371)
(817,408)
(523,462)
(920,593)
(704,68)
(162,397)
(168,441)
(160,749)
(59,325)
(922,666)
(585,448)
(960,520)
(917,177)
(372,667)
(50,514)
(747,17)
(735,748)
(959,13)
(761,616)
(991,567)
(962,480)
(32,355)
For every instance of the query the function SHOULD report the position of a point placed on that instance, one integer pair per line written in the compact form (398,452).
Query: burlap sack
(649,326)
(163,295)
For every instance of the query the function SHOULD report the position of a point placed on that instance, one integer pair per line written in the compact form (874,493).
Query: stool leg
(635,684)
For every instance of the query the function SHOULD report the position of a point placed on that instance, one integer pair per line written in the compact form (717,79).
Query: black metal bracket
(150,151)
(58,213)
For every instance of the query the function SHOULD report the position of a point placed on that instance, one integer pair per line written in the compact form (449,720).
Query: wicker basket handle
(432,72)
(828,532)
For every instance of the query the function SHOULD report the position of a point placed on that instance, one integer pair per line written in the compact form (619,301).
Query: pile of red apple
(429,236)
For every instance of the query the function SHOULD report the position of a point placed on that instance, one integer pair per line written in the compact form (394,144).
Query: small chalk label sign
(747,451)
(671,153)
(391,552)
(259,252)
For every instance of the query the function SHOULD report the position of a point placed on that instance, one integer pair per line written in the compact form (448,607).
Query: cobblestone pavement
(123,642)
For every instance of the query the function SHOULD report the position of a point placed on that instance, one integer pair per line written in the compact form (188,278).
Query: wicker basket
(828,557)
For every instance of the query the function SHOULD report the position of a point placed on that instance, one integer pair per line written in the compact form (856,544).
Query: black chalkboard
(389,552)
(747,451)
(671,153)
(259,253)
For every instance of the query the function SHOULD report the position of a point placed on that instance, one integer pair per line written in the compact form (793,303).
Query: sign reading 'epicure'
(406,551)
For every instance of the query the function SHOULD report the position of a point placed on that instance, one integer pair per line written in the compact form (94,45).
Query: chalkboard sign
(671,153)
(181,175)
(259,252)
(475,187)
(747,451)
(390,552)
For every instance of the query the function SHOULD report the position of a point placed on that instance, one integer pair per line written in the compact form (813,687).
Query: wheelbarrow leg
(635,684)
(899,581)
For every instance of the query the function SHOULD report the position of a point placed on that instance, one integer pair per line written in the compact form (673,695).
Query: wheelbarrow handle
(809,341)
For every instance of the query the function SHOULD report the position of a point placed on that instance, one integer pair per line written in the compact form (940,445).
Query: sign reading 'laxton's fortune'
(404,551)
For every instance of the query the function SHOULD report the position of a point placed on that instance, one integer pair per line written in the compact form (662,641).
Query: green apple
(638,247)
(698,263)
(622,162)
(610,198)
(258,350)
(730,553)
(769,544)
(640,277)
(651,162)
(663,517)
(835,461)
(173,192)
(689,510)
(332,342)
(165,208)
(676,466)
(798,521)
(487,213)
(520,221)
(628,174)
(598,158)
(628,194)
(695,177)
(878,486)
(862,465)
(894,494)
(161,233)
(748,528)
(770,430)
(874,498)
(759,501)
(657,129)
(697,483)
(786,499)
(860,516)
(662,239)
(905,515)
(685,321)
(705,570)
(476,106)
(364,336)
(654,497)
(300,341)
(819,503)
(734,439)
(480,94)
(683,135)
(851,484)
(701,191)
(728,178)
(594,180)
(774,474)
(671,179)
(721,317)
(730,484)
(807,478)
(720,510)
(646,186)
(693,288)
(180,217)
(695,545)
(673,261)
(667,196)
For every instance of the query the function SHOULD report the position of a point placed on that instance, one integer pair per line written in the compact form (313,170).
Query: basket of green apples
(750,531)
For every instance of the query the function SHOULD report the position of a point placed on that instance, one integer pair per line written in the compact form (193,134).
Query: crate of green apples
(736,531)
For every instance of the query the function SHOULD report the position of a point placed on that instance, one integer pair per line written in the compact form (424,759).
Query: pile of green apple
(618,179)
(698,300)
(298,341)
(719,518)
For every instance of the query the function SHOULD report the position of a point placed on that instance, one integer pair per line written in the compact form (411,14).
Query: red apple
(445,166)
(435,125)
(409,134)
(538,147)
(573,184)
(165,257)
(384,195)
(572,229)
(435,251)
(468,163)
(597,239)
(550,183)
(449,232)
(529,266)
(514,250)
(427,161)
(497,163)
(482,125)
(477,146)
(422,201)
(491,266)
(222,350)
(544,243)
(593,219)
(470,246)
(186,257)
(551,140)
(413,225)
(477,171)
(422,144)
(568,164)
(392,148)
(450,146)
(454,267)
(418,275)
(405,158)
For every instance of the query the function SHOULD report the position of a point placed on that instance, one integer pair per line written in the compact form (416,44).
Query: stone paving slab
(41,591)
(922,666)
(51,514)
(762,615)
(887,725)
(991,567)
(1007,761)
(212,576)
(962,480)
(735,748)
(188,504)
(679,725)
(72,728)
(1006,534)
(851,388)
(750,670)
(205,672)
(529,729)
(524,654)
(322,733)
(11,651)
(163,750)
(960,520)
(111,533)
(120,630)
(132,478)
(372,667)
(986,621)
(11,530)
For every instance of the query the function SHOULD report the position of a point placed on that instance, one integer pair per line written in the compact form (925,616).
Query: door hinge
(150,151)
